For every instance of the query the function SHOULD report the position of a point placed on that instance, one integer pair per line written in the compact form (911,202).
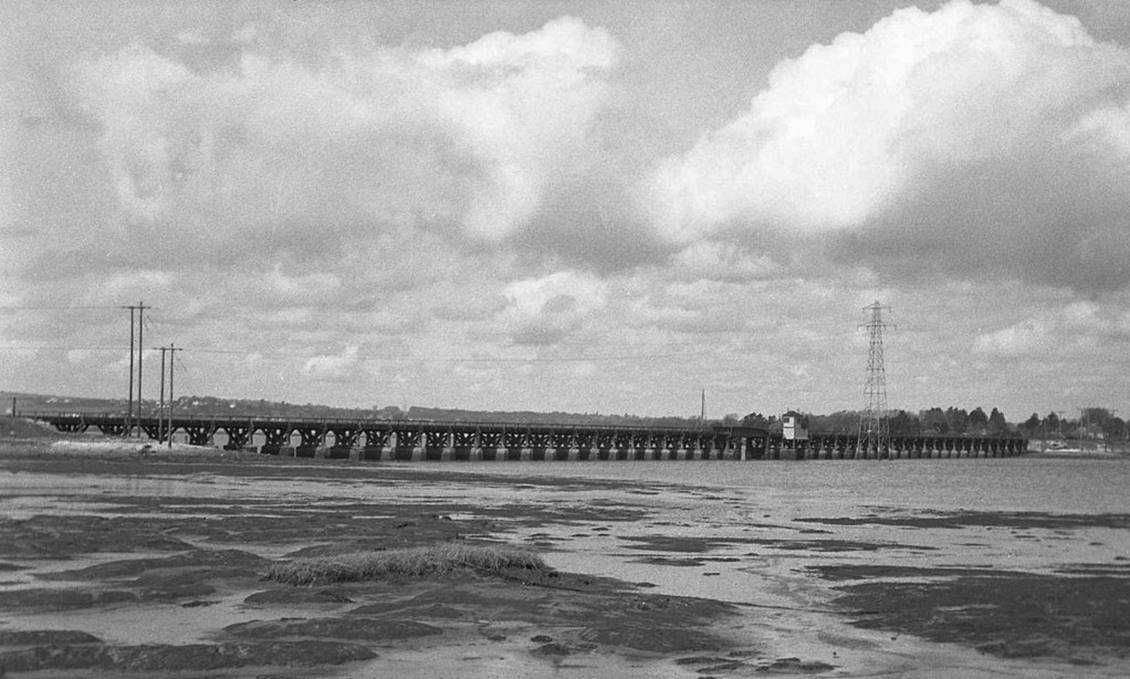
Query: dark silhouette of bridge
(433,440)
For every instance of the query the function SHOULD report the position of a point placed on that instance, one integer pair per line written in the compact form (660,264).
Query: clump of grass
(409,562)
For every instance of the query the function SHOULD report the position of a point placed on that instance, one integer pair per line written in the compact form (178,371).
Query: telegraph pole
(129,407)
(161,402)
(874,427)
(172,362)
(140,350)
(140,309)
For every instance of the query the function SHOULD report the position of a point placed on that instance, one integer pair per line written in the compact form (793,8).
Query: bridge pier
(489,444)
(371,452)
(434,444)
(198,435)
(112,428)
(841,446)
(239,438)
(463,445)
(407,440)
(345,440)
(276,440)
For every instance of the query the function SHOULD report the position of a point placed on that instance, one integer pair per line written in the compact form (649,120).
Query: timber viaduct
(407,440)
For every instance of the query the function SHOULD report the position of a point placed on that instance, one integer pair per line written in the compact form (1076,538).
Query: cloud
(722,261)
(974,141)
(330,367)
(278,154)
(306,288)
(546,310)
(1074,328)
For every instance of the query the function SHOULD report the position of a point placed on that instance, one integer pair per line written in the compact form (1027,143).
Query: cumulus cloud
(282,153)
(975,140)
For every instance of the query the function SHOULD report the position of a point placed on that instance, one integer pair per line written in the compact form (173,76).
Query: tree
(755,420)
(934,421)
(839,422)
(1114,430)
(1095,417)
(1031,426)
(958,420)
(997,423)
(978,420)
(1051,423)
(903,424)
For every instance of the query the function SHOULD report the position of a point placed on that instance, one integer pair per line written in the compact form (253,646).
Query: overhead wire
(57,308)
(387,358)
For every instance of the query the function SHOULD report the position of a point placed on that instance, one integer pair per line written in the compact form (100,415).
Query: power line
(395,359)
(455,359)
(58,348)
(56,308)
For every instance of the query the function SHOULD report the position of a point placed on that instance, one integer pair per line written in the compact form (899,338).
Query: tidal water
(1035,484)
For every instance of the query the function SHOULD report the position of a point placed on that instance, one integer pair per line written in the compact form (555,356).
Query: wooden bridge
(430,440)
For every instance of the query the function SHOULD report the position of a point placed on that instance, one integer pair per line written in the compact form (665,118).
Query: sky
(576,206)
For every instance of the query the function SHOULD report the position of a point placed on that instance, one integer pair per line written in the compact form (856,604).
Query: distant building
(791,428)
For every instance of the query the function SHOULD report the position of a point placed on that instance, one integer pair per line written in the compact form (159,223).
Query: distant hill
(211,406)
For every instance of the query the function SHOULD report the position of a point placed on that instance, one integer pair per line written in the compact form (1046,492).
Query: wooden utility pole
(161,402)
(165,410)
(140,309)
(140,350)
(129,406)
(172,362)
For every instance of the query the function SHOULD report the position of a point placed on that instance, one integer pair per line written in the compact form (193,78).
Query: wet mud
(1023,520)
(1009,614)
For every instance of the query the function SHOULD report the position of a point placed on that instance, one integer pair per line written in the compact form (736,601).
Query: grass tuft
(411,562)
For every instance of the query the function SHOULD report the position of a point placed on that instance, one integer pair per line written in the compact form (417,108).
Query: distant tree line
(1092,423)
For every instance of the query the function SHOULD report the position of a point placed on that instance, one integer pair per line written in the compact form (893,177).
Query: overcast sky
(581,206)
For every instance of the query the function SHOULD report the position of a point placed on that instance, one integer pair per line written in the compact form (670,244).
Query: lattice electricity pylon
(874,438)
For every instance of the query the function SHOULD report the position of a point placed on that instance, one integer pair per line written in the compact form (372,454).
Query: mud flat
(124,583)
(135,561)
